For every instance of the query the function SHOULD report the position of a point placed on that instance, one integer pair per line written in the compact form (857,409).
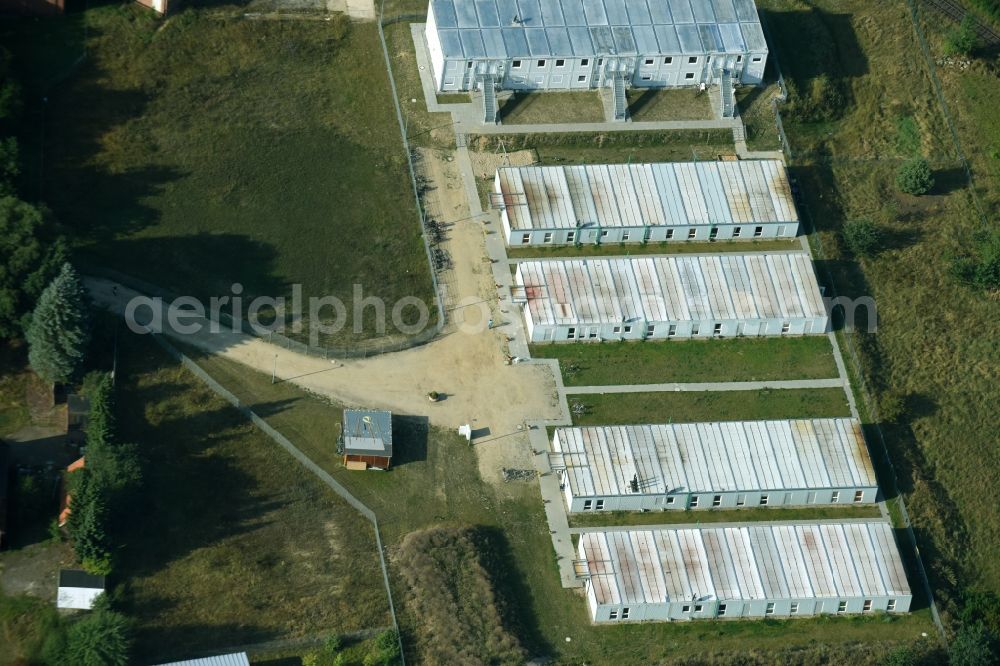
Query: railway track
(956,11)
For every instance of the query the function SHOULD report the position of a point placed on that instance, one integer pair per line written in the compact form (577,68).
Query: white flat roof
(678,288)
(715,457)
(762,561)
(528,28)
(638,195)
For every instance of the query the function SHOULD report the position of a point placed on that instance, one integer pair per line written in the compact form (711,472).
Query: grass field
(651,104)
(685,407)
(618,249)
(937,342)
(13,384)
(615,518)
(237,544)
(736,360)
(437,482)
(423,128)
(543,108)
(291,171)
(614,147)
(758,116)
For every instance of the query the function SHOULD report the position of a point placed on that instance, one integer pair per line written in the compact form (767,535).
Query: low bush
(863,237)
(914,176)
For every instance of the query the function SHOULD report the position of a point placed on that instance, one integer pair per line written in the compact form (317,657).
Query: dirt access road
(469,368)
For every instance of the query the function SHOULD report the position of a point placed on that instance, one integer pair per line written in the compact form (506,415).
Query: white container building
(656,298)
(745,571)
(585,44)
(636,203)
(723,465)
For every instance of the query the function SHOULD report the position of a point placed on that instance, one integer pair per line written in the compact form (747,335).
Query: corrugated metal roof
(760,561)
(601,461)
(609,27)
(677,288)
(235,659)
(638,195)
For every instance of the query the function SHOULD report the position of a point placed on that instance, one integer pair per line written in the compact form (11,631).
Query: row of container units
(750,570)
(716,465)
(677,297)
(636,203)
(576,44)
(592,235)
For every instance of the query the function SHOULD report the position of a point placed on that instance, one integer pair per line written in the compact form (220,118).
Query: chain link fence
(847,336)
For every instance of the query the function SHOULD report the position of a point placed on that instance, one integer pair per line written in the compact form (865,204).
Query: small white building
(585,44)
(657,298)
(638,203)
(754,570)
(723,465)
(78,589)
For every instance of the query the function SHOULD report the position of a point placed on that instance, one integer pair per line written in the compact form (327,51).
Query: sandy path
(469,368)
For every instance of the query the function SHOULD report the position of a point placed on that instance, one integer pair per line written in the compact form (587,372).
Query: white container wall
(581,44)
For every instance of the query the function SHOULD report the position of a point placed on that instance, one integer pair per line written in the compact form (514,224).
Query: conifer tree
(59,331)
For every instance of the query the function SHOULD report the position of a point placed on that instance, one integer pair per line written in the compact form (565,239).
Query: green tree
(971,647)
(10,166)
(59,330)
(914,176)
(863,237)
(88,523)
(30,256)
(114,464)
(10,89)
(102,638)
(962,39)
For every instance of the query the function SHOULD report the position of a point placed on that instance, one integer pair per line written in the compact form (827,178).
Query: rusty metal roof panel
(794,564)
(753,561)
(636,195)
(676,288)
(711,457)
(845,577)
(767,556)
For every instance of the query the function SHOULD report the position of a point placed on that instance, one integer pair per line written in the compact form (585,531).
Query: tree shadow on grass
(950,180)
(514,598)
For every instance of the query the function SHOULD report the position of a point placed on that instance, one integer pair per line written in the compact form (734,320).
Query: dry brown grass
(450,584)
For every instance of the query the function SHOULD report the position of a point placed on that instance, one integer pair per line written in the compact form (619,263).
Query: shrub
(863,237)
(914,176)
(971,647)
(891,406)
(102,638)
(981,268)
(962,39)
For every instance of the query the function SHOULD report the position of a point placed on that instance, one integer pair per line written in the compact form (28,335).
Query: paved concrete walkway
(835,382)
(555,508)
